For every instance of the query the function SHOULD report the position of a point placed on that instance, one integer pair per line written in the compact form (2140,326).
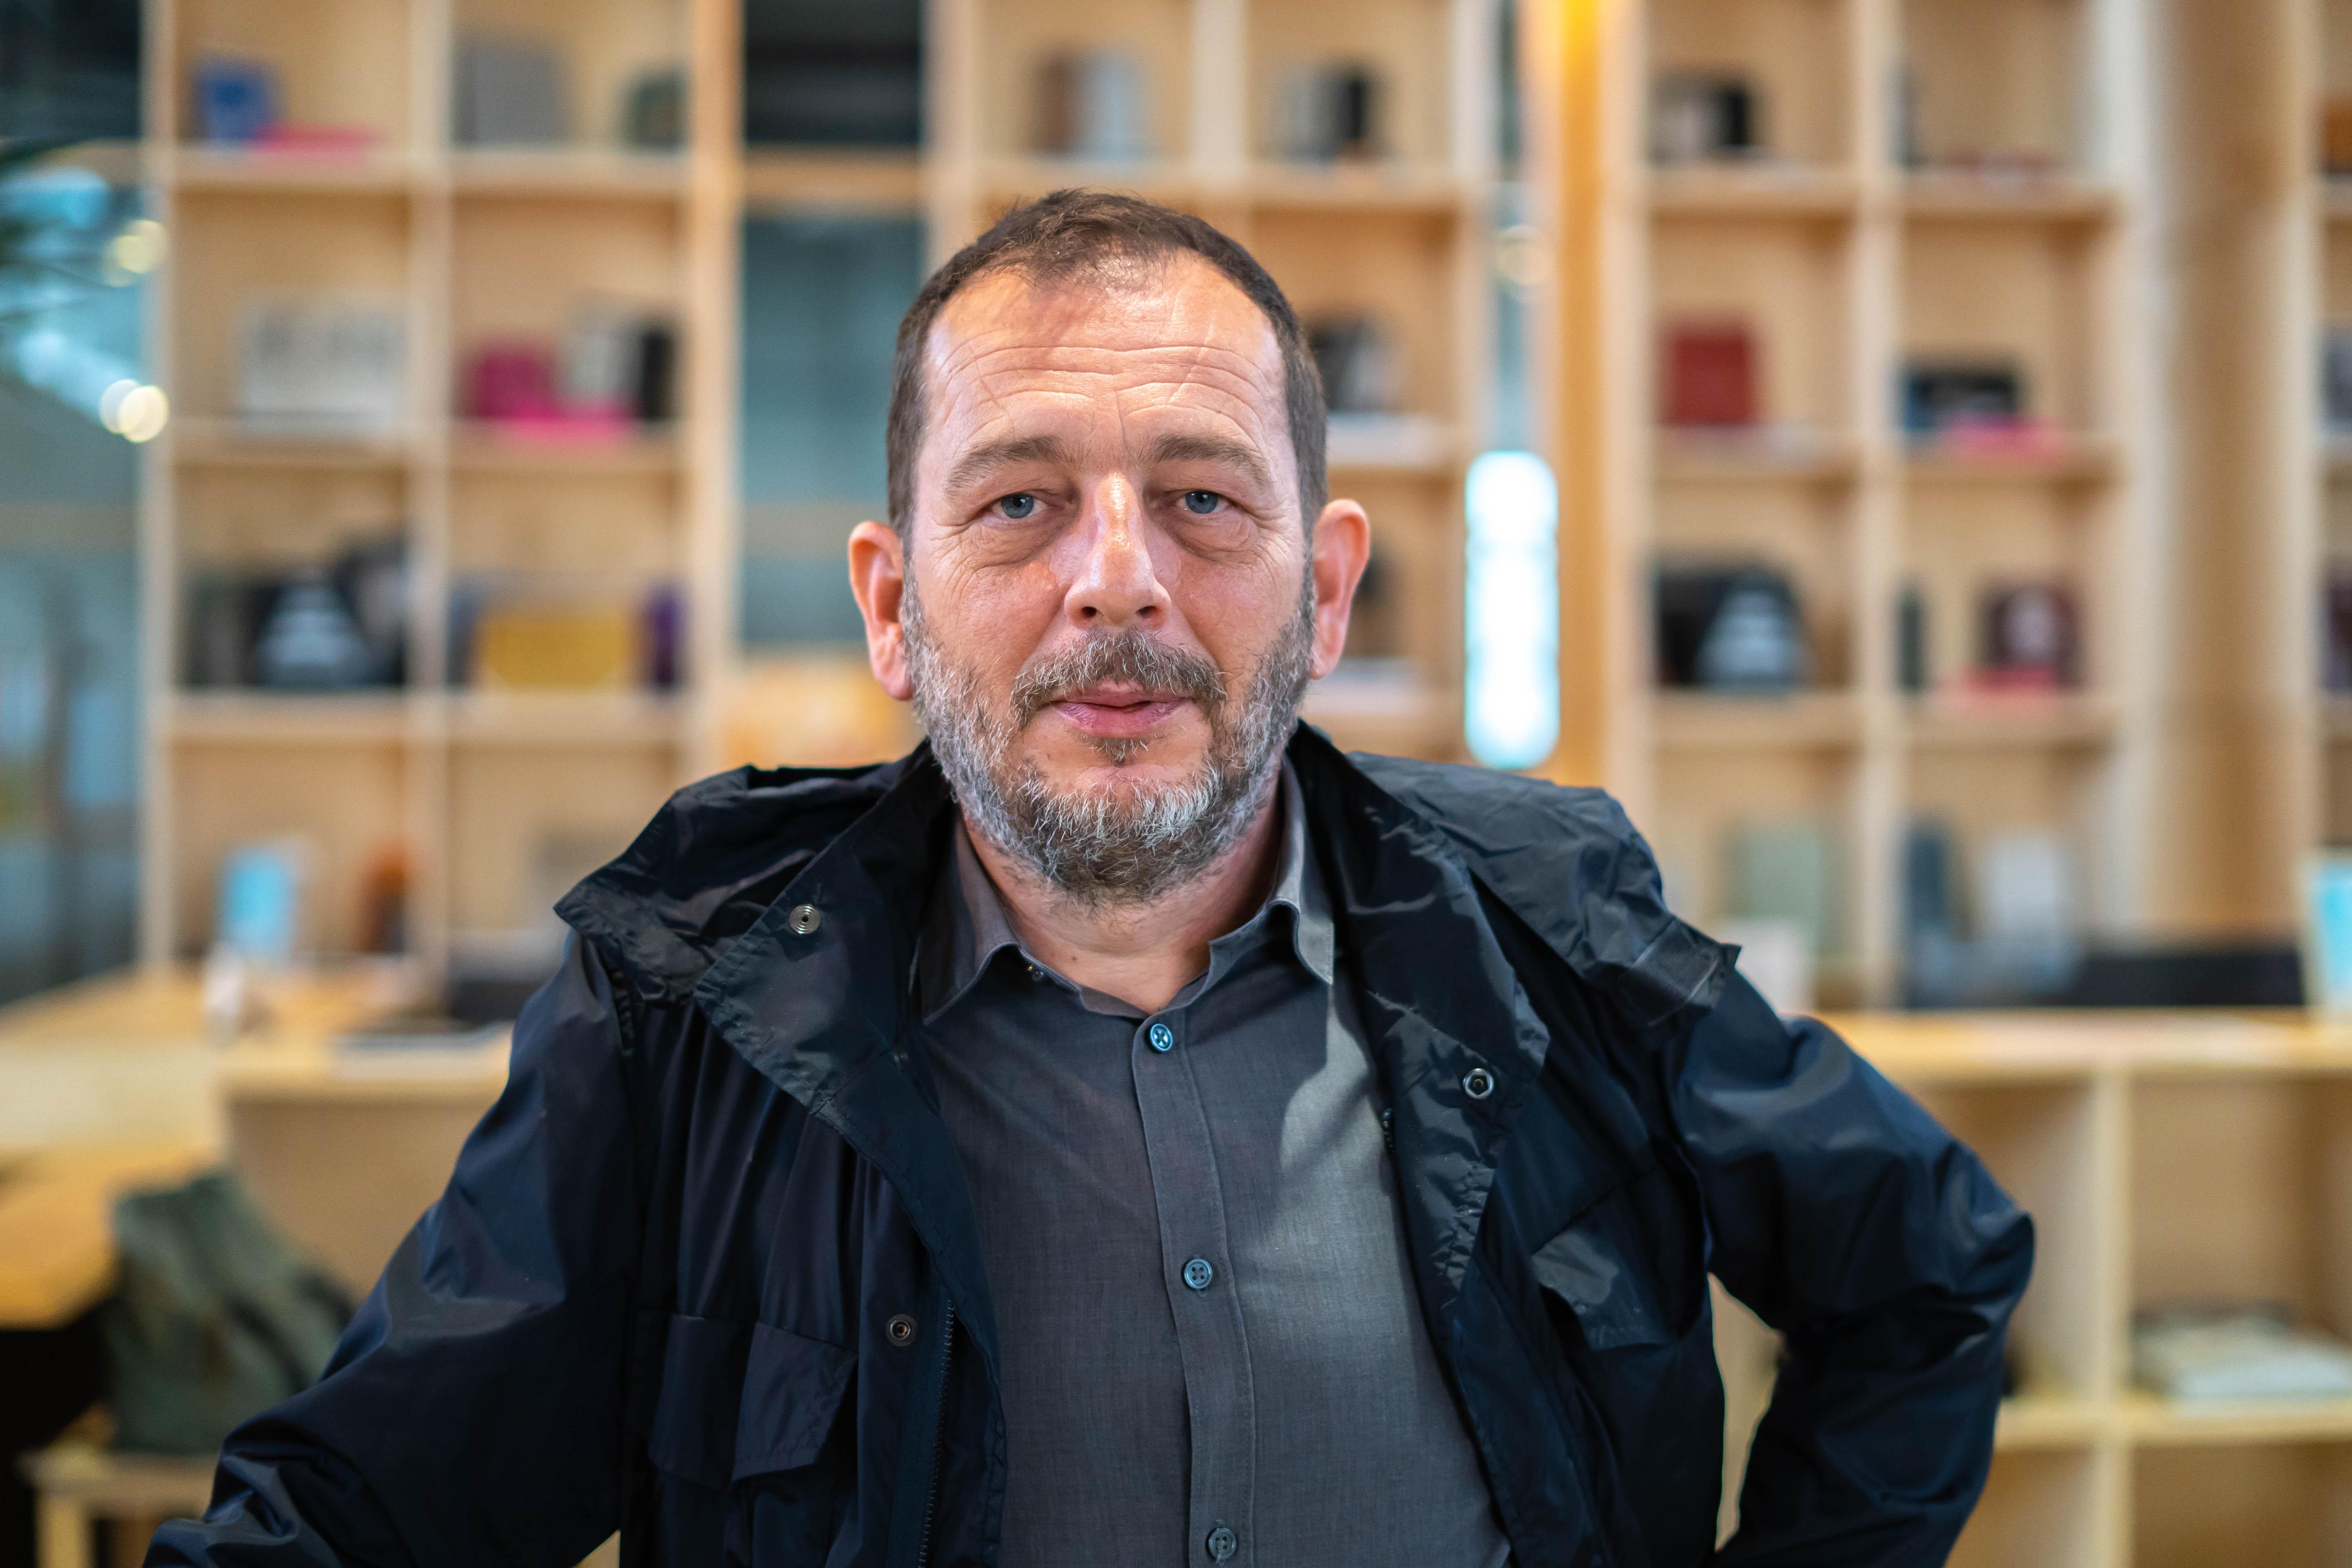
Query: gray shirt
(1212,1346)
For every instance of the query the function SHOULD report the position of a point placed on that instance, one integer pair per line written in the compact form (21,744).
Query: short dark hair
(1068,235)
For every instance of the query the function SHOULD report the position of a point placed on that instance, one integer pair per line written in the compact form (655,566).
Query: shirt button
(1035,973)
(804,919)
(1163,1039)
(1223,1544)
(1198,1273)
(1477,1083)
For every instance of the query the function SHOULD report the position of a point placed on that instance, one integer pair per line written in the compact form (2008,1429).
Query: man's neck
(1142,954)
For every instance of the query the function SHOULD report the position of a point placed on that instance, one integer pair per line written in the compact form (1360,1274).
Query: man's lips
(1111,712)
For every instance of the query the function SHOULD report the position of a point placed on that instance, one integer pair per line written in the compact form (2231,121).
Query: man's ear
(878,576)
(1343,544)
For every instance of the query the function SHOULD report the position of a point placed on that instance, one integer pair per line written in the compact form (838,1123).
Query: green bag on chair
(216,1320)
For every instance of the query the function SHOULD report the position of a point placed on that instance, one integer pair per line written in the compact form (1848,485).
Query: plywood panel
(1786,279)
(1796,53)
(1403,42)
(229,248)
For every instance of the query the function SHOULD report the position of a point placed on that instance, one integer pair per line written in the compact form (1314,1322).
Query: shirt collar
(968,926)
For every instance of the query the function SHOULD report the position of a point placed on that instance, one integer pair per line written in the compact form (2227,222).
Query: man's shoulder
(1568,862)
(711,860)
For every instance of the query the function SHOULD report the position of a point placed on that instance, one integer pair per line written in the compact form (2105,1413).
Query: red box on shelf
(1708,376)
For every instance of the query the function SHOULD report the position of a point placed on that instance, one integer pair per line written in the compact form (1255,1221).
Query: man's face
(1107,595)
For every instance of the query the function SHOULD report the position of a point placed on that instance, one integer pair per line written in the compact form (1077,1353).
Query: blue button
(1163,1039)
(1197,1274)
(1223,1544)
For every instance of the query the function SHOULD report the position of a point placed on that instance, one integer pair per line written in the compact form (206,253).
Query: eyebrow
(1213,449)
(982,460)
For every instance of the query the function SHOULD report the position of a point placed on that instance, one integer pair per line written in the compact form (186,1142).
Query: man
(1127,1132)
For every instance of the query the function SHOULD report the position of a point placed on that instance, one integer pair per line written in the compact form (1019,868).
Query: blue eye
(1201,503)
(1018,508)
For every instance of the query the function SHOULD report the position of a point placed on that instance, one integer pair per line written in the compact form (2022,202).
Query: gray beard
(1132,843)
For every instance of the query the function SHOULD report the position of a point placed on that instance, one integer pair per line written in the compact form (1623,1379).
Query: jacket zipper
(939,1438)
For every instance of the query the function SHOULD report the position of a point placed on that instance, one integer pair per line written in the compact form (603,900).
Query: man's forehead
(1176,320)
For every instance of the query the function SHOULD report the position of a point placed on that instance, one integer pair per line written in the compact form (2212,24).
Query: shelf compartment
(1964,542)
(346,798)
(1408,605)
(1996,82)
(526,823)
(1016,38)
(2040,1509)
(1704,722)
(600,48)
(1804,530)
(2196,1506)
(1786,280)
(523,521)
(1797,55)
(2022,295)
(1389,706)
(1403,44)
(338,62)
(233,249)
(287,516)
(1397,269)
(1796,774)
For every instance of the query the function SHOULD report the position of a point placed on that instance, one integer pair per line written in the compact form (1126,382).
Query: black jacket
(669,1287)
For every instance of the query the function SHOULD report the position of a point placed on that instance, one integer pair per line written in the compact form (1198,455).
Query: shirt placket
(1196,1268)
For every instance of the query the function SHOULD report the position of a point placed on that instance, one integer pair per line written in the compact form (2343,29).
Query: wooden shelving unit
(2009,227)
(485,792)
(480,793)
(2086,1120)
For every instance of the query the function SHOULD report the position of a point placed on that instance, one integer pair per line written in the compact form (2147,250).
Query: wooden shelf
(823,179)
(1376,187)
(533,718)
(2038,1421)
(234,443)
(1391,443)
(586,172)
(1763,457)
(291,718)
(2067,460)
(1766,190)
(197,166)
(2154,1421)
(489,446)
(1951,196)
(2000,718)
(1689,721)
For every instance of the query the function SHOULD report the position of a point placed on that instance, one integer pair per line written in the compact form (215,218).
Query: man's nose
(1116,584)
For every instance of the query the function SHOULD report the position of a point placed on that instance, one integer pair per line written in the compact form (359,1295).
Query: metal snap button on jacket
(1223,1544)
(1163,1039)
(901,1330)
(1198,1273)
(1477,1083)
(803,919)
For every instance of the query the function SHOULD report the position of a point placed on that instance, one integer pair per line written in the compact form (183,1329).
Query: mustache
(1127,658)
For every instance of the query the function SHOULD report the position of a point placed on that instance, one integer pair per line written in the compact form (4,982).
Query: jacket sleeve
(1847,1218)
(473,1410)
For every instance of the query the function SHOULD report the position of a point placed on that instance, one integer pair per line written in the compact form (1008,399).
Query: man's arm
(473,1412)
(1848,1219)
